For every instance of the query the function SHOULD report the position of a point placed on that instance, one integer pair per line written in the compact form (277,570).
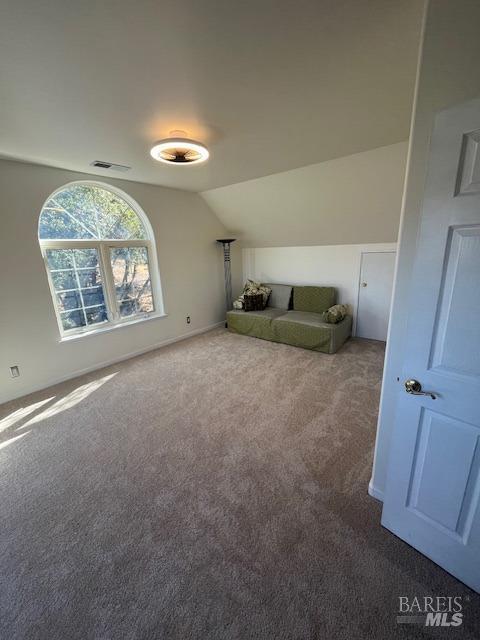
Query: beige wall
(449,74)
(350,200)
(191,270)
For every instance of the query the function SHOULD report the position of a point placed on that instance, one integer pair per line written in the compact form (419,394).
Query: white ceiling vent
(102,164)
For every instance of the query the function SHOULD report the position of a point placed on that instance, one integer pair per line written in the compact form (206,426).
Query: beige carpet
(213,489)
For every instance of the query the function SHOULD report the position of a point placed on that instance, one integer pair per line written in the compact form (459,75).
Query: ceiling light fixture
(179,151)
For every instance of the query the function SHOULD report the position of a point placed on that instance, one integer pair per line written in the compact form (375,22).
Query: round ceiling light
(179,151)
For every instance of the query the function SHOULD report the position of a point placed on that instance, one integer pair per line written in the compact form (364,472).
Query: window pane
(85,211)
(55,223)
(96,315)
(60,259)
(93,296)
(69,300)
(146,303)
(89,278)
(86,258)
(131,276)
(127,308)
(63,280)
(78,286)
(72,319)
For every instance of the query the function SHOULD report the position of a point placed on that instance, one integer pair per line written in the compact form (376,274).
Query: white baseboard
(374,492)
(106,363)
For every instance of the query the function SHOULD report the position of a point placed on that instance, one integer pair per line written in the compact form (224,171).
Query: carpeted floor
(215,489)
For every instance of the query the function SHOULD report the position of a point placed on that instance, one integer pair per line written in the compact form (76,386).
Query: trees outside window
(99,252)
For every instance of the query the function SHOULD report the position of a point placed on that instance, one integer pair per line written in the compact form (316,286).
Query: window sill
(111,327)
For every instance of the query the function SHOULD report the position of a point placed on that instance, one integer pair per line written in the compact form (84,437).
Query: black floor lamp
(228,272)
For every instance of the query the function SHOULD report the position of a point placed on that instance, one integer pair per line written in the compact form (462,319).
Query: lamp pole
(228,272)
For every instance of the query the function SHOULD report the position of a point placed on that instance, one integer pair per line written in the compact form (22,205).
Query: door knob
(364,284)
(415,388)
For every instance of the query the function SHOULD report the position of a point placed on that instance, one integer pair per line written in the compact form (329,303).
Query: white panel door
(375,293)
(433,486)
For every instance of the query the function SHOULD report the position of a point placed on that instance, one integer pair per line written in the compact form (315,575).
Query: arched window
(100,256)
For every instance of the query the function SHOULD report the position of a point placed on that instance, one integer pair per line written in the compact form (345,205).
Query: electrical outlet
(14,371)
(188,319)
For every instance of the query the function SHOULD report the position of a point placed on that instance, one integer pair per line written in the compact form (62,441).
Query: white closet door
(375,293)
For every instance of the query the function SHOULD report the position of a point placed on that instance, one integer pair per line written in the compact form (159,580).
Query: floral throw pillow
(335,314)
(251,288)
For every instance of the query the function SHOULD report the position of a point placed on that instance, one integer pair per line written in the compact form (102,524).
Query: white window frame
(103,248)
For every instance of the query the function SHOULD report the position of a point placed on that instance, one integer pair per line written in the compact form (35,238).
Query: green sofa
(294,316)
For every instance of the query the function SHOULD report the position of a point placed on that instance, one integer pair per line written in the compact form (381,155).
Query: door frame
(359,279)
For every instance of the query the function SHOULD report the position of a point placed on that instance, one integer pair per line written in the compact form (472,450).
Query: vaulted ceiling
(268,85)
